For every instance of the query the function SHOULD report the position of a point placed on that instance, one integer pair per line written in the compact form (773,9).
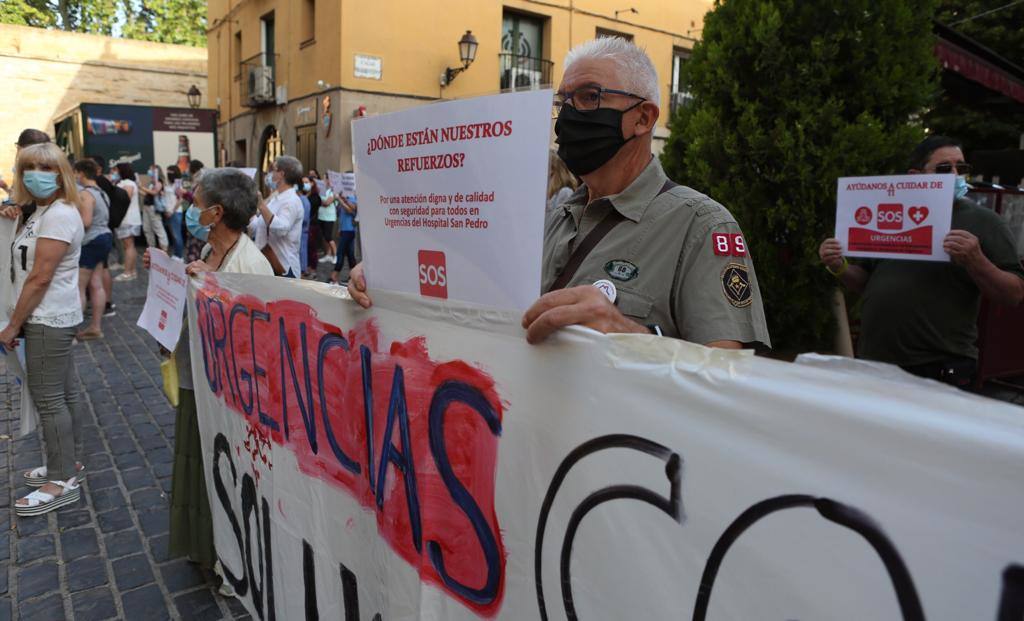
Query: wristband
(655,329)
(840,271)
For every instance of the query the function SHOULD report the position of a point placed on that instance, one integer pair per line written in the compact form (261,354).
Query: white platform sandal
(36,477)
(40,502)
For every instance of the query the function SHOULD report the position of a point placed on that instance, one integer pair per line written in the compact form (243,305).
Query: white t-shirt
(61,306)
(285,232)
(134,215)
(169,198)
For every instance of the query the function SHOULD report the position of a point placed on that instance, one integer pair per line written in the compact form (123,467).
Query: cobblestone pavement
(104,557)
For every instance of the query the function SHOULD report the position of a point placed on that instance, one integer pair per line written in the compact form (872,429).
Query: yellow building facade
(288,76)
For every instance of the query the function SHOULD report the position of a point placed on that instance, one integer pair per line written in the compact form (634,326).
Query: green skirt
(191,520)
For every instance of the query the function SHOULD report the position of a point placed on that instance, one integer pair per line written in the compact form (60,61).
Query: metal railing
(258,80)
(677,100)
(524,72)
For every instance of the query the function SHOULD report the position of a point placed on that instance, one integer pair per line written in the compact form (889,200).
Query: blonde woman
(46,312)
(561,182)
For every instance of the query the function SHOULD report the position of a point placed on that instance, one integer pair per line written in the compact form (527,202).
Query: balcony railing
(258,83)
(523,72)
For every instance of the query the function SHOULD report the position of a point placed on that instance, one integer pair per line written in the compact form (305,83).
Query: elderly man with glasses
(631,251)
(923,315)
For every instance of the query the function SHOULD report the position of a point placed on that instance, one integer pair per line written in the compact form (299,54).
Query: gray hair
(635,68)
(291,168)
(234,191)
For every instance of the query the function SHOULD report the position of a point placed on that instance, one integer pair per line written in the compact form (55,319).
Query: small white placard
(895,217)
(370,67)
(165,299)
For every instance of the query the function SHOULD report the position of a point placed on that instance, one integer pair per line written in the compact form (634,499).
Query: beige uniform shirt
(678,260)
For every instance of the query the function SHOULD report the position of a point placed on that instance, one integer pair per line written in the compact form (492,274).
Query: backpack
(119,201)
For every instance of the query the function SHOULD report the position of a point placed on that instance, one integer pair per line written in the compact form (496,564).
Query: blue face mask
(115,177)
(197,230)
(40,183)
(269,180)
(960,188)
(306,187)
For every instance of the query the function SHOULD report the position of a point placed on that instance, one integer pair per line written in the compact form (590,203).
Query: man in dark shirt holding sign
(922,315)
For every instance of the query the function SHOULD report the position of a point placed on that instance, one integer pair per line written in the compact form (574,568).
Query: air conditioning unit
(261,84)
(525,79)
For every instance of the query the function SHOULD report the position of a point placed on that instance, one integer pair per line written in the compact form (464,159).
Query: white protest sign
(342,183)
(16,357)
(451,198)
(250,172)
(165,299)
(895,217)
(420,461)
(321,186)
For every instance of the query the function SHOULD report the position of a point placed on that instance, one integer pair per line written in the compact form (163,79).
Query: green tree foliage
(789,96)
(982,119)
(164,21)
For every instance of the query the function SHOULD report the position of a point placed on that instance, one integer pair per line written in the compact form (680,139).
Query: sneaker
(327,259)
(111,310)
(115,267)
(125,277)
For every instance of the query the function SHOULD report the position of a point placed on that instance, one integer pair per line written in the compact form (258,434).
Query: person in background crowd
(313,174)
(174,213)
(119,205)
(656,251)
(46,311)
(346,235)
(561,183)
(193,245)
(277,228)
(153,209)
(923,315)
(96,245)
(131,226)
(311,229)
(326,216)
(27,138)
(224,202)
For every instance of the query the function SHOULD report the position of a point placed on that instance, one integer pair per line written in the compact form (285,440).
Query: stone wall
(47,72)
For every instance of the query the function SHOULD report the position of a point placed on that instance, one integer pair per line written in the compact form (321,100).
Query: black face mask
(587,140)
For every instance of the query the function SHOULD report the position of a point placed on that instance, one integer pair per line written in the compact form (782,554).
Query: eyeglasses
(586,98)
(962,168)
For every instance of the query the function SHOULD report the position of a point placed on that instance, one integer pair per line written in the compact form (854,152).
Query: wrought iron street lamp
(467,53)
(194,97)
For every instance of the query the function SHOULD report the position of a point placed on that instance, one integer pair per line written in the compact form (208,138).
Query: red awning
(972,67)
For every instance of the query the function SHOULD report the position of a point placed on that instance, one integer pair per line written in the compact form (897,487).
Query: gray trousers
(51,383)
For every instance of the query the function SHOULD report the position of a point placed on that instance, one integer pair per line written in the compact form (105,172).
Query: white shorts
(129,230)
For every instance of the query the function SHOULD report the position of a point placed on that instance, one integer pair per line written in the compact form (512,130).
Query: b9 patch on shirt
(728,244)
(736,285)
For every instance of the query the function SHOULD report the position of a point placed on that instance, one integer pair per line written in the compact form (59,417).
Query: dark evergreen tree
(789,95)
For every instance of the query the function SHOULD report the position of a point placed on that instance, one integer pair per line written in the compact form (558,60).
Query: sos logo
(863,215)
(890,216)
(433,274)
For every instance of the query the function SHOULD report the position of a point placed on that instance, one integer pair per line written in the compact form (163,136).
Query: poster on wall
(144,135)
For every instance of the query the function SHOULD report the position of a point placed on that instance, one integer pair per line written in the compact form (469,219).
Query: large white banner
(452,198)
(421,461)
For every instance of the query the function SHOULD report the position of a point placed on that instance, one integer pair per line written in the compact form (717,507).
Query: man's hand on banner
(145,259)
(357,287)
(585,305)
(11,211)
